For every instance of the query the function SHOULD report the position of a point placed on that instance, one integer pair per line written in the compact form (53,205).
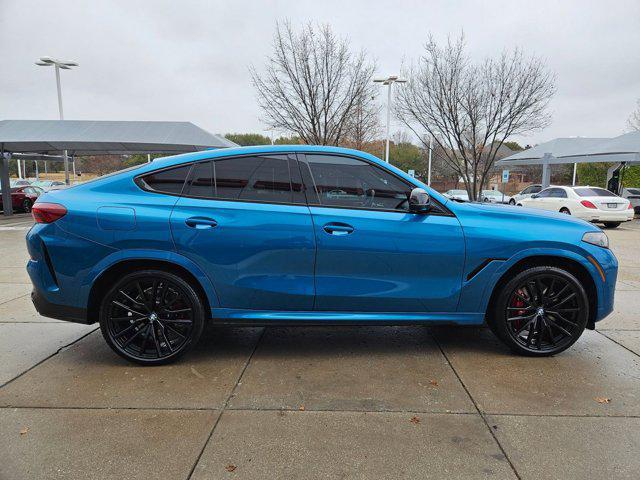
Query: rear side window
(167,181)
(257,178)
(594,192)
(262,179)
(348,182)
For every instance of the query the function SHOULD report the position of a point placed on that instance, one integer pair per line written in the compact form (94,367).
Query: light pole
(388,81)
(64,65)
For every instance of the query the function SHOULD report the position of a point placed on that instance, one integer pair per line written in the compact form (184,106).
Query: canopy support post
(575,167)
(5,183)
(546,171)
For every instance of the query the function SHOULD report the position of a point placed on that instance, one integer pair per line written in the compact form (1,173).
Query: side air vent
(47,260)
(482,265)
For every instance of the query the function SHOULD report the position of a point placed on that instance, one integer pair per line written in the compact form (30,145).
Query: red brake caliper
(518,302)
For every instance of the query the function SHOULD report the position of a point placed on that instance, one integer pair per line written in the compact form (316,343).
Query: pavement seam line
(226,403)
(482,416)
(277,409)
(618,343)
(16,298)
(47,358)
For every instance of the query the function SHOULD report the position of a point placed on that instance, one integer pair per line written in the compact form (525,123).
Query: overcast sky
(188,60)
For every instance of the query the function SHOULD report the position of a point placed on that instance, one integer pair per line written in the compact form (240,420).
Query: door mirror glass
(419,201)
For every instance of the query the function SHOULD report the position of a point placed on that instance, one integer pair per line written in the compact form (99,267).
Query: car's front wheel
(151,317)
(540,311)
(26,205)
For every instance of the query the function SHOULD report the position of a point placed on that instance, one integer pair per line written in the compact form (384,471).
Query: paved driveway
(299,403)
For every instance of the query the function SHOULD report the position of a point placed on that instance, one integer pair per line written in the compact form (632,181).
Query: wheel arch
(569,264)
(105,279)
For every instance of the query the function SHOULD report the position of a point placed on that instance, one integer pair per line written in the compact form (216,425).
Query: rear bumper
(625,216)
(59,312)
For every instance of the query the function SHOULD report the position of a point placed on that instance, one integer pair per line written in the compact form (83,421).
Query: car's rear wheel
(612,224)
(541,311)
(565,210)
(151,317)
(26,205)
(512,202)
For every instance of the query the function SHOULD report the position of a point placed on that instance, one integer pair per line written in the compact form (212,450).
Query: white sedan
(589,203)
(460,195)
(494,196)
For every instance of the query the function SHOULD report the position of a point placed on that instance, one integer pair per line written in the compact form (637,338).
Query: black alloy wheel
(151,317)
(541,311)
(26,205)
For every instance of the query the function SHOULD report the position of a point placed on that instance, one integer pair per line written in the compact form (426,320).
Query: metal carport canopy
(97,137)
(625,148)
(89,137)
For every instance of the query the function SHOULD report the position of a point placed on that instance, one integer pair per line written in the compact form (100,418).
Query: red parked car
(23,198)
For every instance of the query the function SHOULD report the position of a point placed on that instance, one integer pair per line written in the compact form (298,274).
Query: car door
(539,201)
(372,254)
(244,220)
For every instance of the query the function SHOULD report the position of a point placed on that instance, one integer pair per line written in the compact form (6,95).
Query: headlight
(596,238)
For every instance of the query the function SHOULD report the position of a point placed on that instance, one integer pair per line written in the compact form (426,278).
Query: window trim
(299,157)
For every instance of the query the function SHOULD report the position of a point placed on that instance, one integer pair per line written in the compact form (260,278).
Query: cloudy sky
(188,59)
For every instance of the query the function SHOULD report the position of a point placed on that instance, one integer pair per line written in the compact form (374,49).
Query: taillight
(630,207)
(588,204)
(48,212)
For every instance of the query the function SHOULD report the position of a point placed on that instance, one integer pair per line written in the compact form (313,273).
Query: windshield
(594,192)
(457,192)
(633,191)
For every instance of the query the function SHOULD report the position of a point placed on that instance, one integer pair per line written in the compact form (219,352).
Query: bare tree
(313,84)
(472,109)
(364,123)
(633,123)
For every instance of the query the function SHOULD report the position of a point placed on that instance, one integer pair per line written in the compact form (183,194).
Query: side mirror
(419,201)
(535,195)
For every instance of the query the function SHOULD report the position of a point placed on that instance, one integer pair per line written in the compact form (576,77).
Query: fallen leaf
(602,400)
(301,408)
(415,420)
(230,468)
(434,383)
(24,431)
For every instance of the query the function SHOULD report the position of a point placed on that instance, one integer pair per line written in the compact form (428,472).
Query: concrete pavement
(317,402)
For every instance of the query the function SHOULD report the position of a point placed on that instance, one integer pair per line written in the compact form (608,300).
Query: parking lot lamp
(64,65)
(388,82)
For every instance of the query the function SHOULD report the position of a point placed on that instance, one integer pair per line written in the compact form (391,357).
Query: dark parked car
(23,198)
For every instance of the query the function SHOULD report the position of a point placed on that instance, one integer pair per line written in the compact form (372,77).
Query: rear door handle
(201,222)
(338,229)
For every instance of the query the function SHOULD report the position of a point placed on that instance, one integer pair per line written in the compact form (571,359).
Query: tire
(527,317)
(612,224)
(159,334)
(565,210)
(26,205)
(512,202)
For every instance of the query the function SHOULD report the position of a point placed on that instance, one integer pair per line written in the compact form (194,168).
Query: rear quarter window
(169,181)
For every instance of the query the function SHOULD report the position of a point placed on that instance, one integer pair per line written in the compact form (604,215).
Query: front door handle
(201,222)
(338,229)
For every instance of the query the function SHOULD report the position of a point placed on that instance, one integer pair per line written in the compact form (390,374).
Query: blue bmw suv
(307,235)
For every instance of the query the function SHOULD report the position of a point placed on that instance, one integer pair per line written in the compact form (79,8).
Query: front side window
(535,189)
(348,182)
(166,181)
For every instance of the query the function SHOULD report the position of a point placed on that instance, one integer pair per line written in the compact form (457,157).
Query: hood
(514,211)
